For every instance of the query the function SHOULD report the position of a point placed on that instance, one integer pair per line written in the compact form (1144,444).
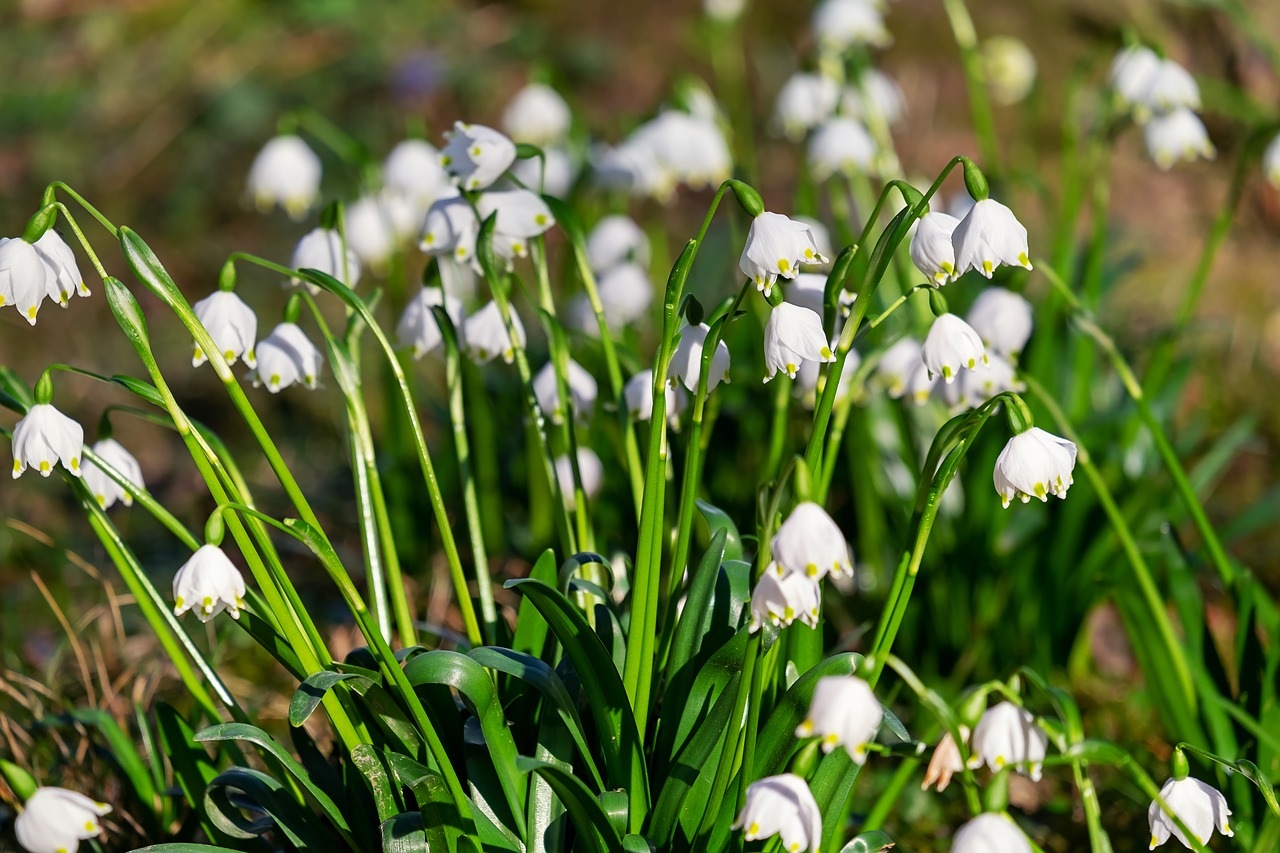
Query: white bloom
(582,391)
(793,336)
(24,277)
(521,216)
(920,384)
(321,249)
(808,290)
(776,246)
(1271,162)
(945,762)
(210,583)
(689,149)
(286,172)
(1169,87)
(1200,806)
(821,236)
(625,295)
(106,490)
(978,386)
(1010,69)
(875,98)
(805,101)
(1002,319)
(450,230)
(615,240)
(840,145)
(950,346)
(1007,735)
(988,236)
(725,11)
(590,469)
(413,169)
(537,115)
(558,176)
(417,327)
(43,438)
(807,379)
(842,24)
(784,806)
(232,325)
(56,820)
(64,278)
(486,335)
(458,280)
(931,249)
(376,225)
(845,712)
(990,832)
(476,156)
(638,395)
(1131,73)
(896,366)
(1179,135)
(633,166)
(781,598)
(286,357)
(810,543)
(1034,463)
(686,361)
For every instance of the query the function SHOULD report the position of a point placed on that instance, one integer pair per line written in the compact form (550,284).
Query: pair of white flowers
(1164,98)
(283,358)
(807,547)
(538,115)
(990,235)
(45,436)
(670,149)
(482,335)
(452,225)
(618,254)
(809,100)
(33,272)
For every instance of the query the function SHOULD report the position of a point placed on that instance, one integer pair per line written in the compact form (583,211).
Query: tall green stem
(975,79)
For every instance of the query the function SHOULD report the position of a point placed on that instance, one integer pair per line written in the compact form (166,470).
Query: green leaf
(874,841)
(185,847)
(311,692)
(689,630)
(122,751)
(366,759)
(265,635)
(777,742)
(226,796)
(531,629)
(192,768)
(404,833)
(439,812)
(594,830)
(717,520)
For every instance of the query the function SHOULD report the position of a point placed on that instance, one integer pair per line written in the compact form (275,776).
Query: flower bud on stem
(215,528)
(40,222)
(44,388)
(974,181)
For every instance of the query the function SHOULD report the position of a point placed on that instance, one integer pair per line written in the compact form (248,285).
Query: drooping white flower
(724,11)
(1034,463)
(781,598)
(521,216)
(104,489)
(840,145)
(537,115)
(976,387)
(808,291)
(784,806)
(689,149)
(821,237)
(843,24)
(56,820)
(450,230)
(945,762)
(931,248)
(417,327)
(1131,73)
(988,236)
(286,172)
(1010,69)
(633,166)
(458,280)
(64,279)
(1003,320)
(686,361)
(377,224)
(476,156)
(43,438)
(24,277)
(615,240)
(920,384)
(582,391)
(321,249)
(843,712)
(232,325)
(810,543)
(1175,136)
(625,295)
(555,180)
(805,101)
(1169,87)
(413,169)
(896,366)
(1008,735)
(638,395)
(807,380)
(874,98)
(1271,162)
(950,346)
(1200,806)
(590,469)
(776,246)
(208,583)
(287,357)
(485,335)
(793,336)
(988,833)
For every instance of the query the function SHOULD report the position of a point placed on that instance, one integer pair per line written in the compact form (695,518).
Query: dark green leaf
(594,830)
(310,693)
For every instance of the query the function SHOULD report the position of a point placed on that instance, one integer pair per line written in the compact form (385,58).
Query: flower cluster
(1164,98)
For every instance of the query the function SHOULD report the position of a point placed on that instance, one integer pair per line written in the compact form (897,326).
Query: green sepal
(748,198)
(974,181)
(938,302)
(44,388)
(40,222)
(22,782)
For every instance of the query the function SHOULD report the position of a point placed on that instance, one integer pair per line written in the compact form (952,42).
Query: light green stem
(975,79)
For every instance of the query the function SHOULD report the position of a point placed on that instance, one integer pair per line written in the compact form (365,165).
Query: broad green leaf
(717,520)
(531,629)
(311,692)
(404,833)
(365,757)
(272,806)
(874,841)
(192,768)
(689,628)
(595,832)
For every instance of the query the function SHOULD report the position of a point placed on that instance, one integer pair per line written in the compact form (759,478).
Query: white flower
(1179,135)
(56,820)
(521,216)
(232,325)
(809,543)
(875,98)
(776,246)
(24,277)
(476,156)
(557,178)
(615,240)
(896,366)
(376,225)
(537,115)
(1002,319)
(104,489)
(689,149)
(1131,73)
(978,386)
(1034,463)
(793,336)
(450,230)
(625,295)
(210,583)
(1007,735)
(840,145)
(582,391)
(590,469)
(920,384)
(64,278)
(784,806)
(808,290)
(990,832)
(458,280)
(43,438)
(486,335)
(286,357)
(842,24)
(321,249)
(951,345)
(945,762)
(725,11)
(821,236)
(807,379)
(1010,69)
(1169,87)
(988,236)
(931,249)
(1200,806)
(413,169)
(286,172)
(1271,162)
(805,101)
(417,327)
(781,598)
(638,395)
(845,712)
(686,361)
(633,166)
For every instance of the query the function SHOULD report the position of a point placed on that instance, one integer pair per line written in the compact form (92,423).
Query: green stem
(975,79)
(80,200)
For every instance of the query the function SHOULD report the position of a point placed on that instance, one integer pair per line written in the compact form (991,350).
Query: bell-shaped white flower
(376,225)
(476,156)
(582,391)
(287,357)
(988,833)
(843,24)
(554,179)
(450,230)
(486,338)
(808,375)
(633,167)
(688,149)
(842,146)
(1179,135)
(776,246)
(781,598)
(875,98)
(537,115)
(783,806)
(321,249)
(1010,69)
(56,820)
(232,325)
(208,583)
(590,469)
(417,328)
(945,762)
(804,102)
(1131,73)
(1271,162)
(810,543)
(638,395)
(724,11)
(793,336)
(43,438)
(1008,735)
(808,290)
(286,172)
(1170,87)
(1003,320)
(897,365)
(843,712)
(24,278)
(976,387)
(686,361)
(103,488)
(988,236)
(616,240)
(950,346)
(64,279)
(521,216)
(1200,806)
(1034,463)
(413,170)
(931,248)
(625,296)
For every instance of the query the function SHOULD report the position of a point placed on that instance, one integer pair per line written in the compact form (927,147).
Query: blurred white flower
(1175,136)
(632,166)
(950,346)
(450,230)
(686,361)
(43,438)
(805,101)
(784,806)
(931,248)
(843,712)
(582,391)
(896,366)
(959,205)
(1008,735)
(988,236)
(63,279)
(371,232)
(990,832)
(24,277)
(537,115)
(56,820)
(1003,320)
(590,469)
(810,543)
(209,583)
(413,169)
(1200,806)
(874,97)
(625,295)
(232,325)
(638,395)
(1271,162)
(808,290)
(486,338)
(781,598)
(976,387)
(691,150)
(945,762)
(1034,463)
(417,327)
(457,279)
(792,336)
(1131,73)
(286,172)
(287,357)
(321,249)
(522,215)
(807,380)
(920,384)
(1010,69)
(476,156)
(725,11)
(104,489)
(840,146)
(558,178)
(616,239)
(842,24)
(1169,87)
(776,246)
